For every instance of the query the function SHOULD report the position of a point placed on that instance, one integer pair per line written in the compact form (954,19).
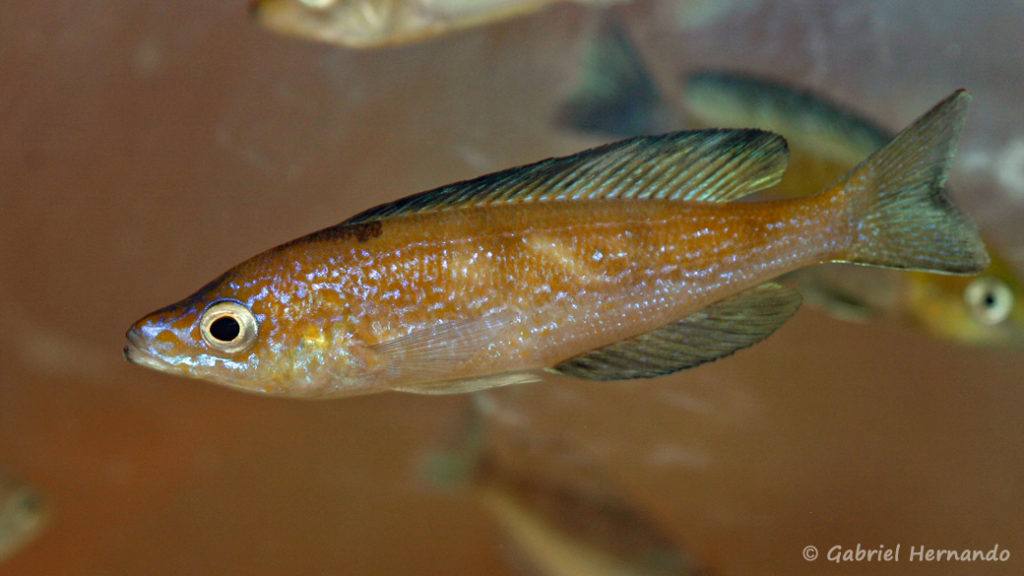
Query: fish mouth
(136,352)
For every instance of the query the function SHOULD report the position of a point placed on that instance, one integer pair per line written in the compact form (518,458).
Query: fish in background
(631,260)
(617,96)
(614,93)
(570,523)
(24,513)
(374,23)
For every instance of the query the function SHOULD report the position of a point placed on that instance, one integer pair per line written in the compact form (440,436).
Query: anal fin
(717,331)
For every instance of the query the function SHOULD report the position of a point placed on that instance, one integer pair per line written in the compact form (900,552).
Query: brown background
(147,146)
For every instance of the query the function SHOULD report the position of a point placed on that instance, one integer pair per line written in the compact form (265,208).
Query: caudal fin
(902,215)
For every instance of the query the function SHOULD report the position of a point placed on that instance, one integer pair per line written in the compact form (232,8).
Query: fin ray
(699,166)
(437,350)
(902,215)
(717,331)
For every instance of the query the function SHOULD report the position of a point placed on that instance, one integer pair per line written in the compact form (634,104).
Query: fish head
(354,23)
(984,310)
(258,335)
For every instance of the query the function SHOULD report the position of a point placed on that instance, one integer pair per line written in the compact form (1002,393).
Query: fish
(374,23)
(614,93)
(575,522)
(617,96)
(24,512)
(556,531)
(626,261)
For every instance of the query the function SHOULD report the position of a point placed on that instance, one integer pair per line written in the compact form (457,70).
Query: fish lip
(134,336)
(143,357)
(137,352)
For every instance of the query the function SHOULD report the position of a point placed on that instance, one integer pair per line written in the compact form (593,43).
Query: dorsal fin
(615,94)
(699,166)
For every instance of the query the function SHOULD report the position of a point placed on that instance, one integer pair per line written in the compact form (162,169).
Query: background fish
(561,522)
(23,514)
(617,96)
(614,93)
(625,261)
(370,23)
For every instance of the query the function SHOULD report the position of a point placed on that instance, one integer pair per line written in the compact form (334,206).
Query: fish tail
(900,213)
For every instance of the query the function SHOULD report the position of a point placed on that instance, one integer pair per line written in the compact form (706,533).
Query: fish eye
(229,327)
(989,299)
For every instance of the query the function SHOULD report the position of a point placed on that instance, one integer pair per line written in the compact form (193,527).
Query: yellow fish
(23,514)
(630,260)
(617,96)
(371,23)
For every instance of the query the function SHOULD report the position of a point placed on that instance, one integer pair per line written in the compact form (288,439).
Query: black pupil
(225,329)
(989,300)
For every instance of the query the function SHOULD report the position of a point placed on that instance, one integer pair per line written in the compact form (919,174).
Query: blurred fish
(565,525)
(371,23)
(700,14)
(626,261)
(617,96)
(23,514)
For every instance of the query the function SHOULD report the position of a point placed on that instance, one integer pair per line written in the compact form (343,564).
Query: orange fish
(626,261)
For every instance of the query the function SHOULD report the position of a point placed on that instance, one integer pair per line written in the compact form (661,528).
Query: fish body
(625,261)
(372,23)
(23,514)
(811,123)
(617,96)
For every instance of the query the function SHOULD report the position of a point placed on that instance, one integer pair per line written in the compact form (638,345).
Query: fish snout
(137,351)
(134,336)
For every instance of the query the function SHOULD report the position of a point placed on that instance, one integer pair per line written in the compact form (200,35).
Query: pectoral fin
(424,361)
(719,330)
(469,385)
(436,351)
